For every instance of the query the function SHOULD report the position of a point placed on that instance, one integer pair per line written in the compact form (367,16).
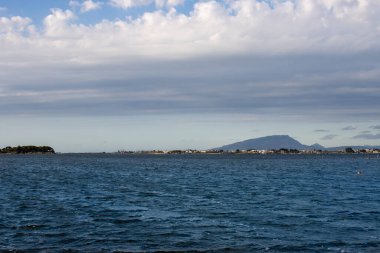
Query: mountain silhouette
(270,142)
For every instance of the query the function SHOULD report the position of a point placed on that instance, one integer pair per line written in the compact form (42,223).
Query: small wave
(31,227)
(125,221)
(194,250)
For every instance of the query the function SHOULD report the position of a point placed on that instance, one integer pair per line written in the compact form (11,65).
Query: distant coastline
(274,144)
(281,151)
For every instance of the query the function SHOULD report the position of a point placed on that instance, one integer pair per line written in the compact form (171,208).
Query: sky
(108,75)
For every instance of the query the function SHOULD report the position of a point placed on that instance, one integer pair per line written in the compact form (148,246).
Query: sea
(189,203)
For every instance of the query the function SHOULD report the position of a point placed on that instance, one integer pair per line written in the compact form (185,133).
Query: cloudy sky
(141,74)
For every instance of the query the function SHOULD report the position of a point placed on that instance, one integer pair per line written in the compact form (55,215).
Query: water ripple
(115,203)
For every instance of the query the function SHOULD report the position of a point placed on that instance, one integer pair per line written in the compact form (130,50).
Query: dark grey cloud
(348,128)
(231,66)
(365,132)
(309,86)
(321,131)
(367,136)
(375,127)
(329,137)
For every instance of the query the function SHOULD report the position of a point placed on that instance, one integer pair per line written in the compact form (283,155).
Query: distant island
(27,150)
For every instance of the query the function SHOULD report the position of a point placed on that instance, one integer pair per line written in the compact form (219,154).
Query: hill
(270,142)
(283,141)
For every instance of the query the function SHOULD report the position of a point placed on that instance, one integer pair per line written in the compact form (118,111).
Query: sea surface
(189,203)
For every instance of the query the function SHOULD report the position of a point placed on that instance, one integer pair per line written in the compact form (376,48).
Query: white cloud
(56,24)
(74,4)
(174,2)
(89,5)
(86,5)
(242,27)
(168,3)
(14,25)
(126,4)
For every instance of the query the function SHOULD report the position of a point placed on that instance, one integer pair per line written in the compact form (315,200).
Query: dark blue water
(216,203)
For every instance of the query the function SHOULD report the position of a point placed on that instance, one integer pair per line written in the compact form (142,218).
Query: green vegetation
(28,150)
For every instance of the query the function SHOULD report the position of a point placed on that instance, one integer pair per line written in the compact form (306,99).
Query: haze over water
(220,203)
